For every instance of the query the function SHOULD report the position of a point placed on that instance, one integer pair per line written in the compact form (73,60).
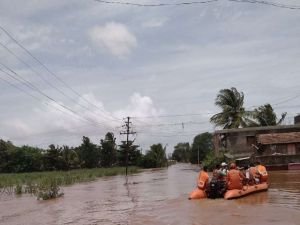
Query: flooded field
(156,197)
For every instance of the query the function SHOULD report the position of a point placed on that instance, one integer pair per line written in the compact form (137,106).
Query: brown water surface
(157,197)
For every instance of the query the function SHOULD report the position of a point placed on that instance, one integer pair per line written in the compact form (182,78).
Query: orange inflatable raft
(236,193)
(231,194)
(197,194)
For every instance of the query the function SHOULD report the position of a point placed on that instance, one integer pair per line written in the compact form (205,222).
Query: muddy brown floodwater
(157,197)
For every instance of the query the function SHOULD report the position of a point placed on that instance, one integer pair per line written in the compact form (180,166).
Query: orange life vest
(263,173)
(203,180)
(234,179)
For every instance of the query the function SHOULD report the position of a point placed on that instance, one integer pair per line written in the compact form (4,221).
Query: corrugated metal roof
(266,128)
(279,138)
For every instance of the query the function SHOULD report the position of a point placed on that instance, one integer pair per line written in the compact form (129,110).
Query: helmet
(223,164)
(232,166)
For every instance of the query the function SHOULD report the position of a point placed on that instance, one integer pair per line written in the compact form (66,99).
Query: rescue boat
(231,194)
(237,193)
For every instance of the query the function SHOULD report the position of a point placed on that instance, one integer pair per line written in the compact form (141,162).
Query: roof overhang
(279,138)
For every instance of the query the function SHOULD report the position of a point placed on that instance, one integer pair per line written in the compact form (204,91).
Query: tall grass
(46,185)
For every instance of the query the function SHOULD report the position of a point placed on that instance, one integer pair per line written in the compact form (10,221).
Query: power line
(51,73)
(171,115)
(155,5)
(47,82)
(17,77)
(278,5)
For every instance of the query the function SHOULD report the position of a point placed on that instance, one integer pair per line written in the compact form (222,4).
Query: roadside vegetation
(42,172)
(46,185)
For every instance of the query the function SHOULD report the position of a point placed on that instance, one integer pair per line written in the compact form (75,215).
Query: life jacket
(263,173)
(234,179)
(203,180)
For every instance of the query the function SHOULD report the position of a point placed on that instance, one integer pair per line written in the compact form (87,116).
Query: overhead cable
(155,5)
(51,73)
(34,88)
(274,4)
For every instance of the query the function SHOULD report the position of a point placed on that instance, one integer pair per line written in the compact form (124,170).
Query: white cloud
(114,37)
(139,106)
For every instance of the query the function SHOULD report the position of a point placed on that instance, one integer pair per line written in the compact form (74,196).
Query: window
(251,140)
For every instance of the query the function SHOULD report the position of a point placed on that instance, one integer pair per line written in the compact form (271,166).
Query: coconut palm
(265,116)
(233,114)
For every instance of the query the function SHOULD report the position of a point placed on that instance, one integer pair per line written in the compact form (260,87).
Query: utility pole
(127,132)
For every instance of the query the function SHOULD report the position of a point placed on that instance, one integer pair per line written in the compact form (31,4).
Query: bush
(211,160)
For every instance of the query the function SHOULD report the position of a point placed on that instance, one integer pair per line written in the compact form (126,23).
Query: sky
(73,68)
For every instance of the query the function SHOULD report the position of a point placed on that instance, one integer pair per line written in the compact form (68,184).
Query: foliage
(15,159)
(265,116)
(47,184)
(24,159)
(5,149)
(70,158)
(211,160)
(52,159)
(181,152)
(134,154)
(155,157)
(108,150)
(233,114)
(89,154)
(202,143)
(48,189)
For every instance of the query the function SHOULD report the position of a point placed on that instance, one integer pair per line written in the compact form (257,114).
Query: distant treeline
(15,159)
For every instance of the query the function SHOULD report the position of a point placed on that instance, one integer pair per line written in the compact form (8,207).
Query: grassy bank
(47,184)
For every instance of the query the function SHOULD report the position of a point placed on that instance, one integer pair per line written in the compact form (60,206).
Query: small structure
(272,145)
(297,119)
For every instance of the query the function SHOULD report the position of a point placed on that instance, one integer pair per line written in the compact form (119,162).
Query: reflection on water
(157,197)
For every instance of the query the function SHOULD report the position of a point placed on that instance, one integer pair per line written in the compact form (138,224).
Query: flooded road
(157,197)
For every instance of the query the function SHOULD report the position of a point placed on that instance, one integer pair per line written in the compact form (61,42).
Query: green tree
(181,152)
(203,144)
(5,155)
(70,158)
(53,159)
(233,114)
(108,150)
(89,153)
(134,154)
(155,157)
(26,159)
(265,116)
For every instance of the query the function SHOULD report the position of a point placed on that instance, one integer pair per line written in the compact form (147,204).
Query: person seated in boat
(262,171)
(234,178)
(245,171)
(254,176)
(217,173)
(203,179)
(217,185)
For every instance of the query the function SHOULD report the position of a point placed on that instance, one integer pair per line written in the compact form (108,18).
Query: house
(272,145)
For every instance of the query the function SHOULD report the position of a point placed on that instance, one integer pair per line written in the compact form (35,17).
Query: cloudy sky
(95,63)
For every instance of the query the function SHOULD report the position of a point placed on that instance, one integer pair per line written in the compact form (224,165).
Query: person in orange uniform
(234,178)
(254,178)
(203,179)
(262,171)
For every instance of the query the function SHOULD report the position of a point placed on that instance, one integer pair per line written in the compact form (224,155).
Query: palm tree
(265,116)
(233,113)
